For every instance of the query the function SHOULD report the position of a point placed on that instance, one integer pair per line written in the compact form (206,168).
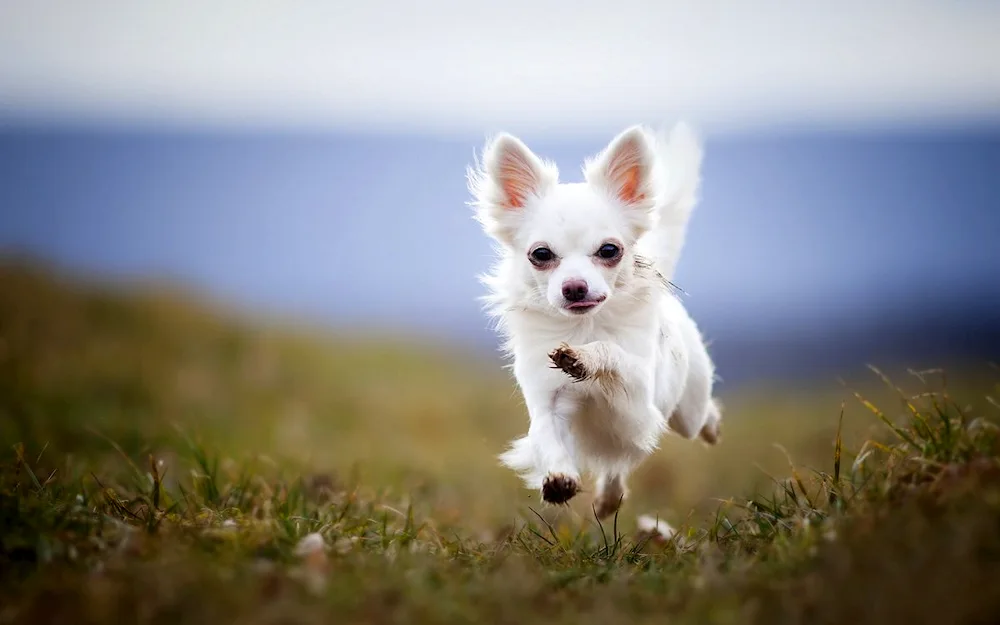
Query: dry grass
(163,461)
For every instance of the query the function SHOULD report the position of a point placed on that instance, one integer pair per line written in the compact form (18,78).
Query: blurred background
(306,162)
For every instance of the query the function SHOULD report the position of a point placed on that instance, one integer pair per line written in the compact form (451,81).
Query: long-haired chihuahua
(606,356)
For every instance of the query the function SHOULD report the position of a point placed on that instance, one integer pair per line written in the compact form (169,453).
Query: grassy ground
(164,462)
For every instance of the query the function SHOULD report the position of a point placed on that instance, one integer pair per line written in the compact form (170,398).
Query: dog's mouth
(579,308)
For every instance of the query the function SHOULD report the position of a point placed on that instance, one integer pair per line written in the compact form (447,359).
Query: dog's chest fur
(631,323)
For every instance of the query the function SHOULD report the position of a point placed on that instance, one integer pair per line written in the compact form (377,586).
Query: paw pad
(559,488)
(565,358)
(711,433)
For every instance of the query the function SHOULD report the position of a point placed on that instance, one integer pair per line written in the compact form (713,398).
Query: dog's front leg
(626,382)
(624,379)
(544,457)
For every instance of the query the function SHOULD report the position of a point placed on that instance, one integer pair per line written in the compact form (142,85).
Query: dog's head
(574,242)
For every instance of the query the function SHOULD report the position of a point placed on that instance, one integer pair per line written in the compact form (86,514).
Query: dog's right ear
(506,181)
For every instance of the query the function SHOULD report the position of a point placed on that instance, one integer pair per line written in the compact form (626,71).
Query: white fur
(649,369)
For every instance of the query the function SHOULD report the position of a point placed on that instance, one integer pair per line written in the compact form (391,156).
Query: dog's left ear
(624,170)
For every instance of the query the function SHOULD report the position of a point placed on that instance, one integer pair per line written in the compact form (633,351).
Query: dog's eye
(608,251)
(542,254)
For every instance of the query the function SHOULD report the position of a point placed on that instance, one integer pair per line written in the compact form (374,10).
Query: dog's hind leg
(697,413)
(694,411)
(711,432)
(611,491)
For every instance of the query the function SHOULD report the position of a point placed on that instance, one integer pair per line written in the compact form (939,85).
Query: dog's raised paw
(565,357)
(559,488)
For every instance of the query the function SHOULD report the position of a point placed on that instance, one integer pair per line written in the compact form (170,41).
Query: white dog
(605,355)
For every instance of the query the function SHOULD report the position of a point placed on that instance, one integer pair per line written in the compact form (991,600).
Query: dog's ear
(509,178)
(517,172)
(624,170)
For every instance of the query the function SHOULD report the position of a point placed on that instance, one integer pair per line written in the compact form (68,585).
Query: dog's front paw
(559,488)
(566,358)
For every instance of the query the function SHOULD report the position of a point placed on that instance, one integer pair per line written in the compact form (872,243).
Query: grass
(165,462)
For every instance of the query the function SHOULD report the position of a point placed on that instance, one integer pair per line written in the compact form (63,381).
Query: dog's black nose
(574,290)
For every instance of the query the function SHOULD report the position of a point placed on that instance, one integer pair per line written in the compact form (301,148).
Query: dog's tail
(679,155)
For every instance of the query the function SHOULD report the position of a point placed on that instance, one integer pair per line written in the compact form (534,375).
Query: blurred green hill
(85,362)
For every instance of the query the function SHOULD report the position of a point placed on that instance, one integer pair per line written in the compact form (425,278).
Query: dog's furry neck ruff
(507,297)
